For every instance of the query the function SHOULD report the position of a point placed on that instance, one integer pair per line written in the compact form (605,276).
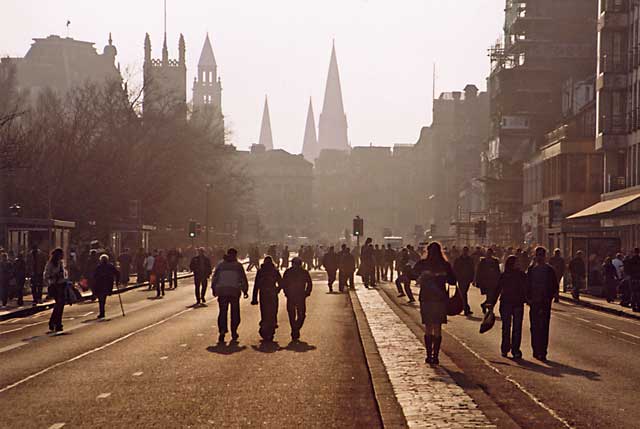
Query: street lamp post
(206,221)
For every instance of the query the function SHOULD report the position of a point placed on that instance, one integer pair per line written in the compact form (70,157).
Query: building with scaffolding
(545,44)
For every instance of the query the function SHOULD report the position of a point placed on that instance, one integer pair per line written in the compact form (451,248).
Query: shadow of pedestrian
(299,347)
(267,347)
(556,369)
(226,349)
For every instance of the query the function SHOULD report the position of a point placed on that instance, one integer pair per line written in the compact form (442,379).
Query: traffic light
(358,226)
(192,229)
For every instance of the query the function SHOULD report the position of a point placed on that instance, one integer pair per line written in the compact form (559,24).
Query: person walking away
(200,266)
(512,291)
(138,263)
(124,261)
(463,267)
(254,258)
(20,276)
(149,262)
(632,268)
(559,266)
(346,267)
(432,274)
(578,271)
(610,277)
(55,278)
(487,276)
(90,269)
(367,264)
(297,287)
(173,261)
(159,269)
(36,262)
(229,282)
(284,258)
(6,275)
(267,286)
(106,275)
(390,258)
(379,262)
(330,263)
(542,287)
(404,276)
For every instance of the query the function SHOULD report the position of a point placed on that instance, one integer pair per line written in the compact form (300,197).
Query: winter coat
(229,278)
(464,269)
(105,276)
(512,288)
(346,262)
(330,261)
(488,274)
(200,266)
(296,283)
(542,285)
(267,282)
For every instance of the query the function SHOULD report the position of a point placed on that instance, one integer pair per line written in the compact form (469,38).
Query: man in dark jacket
(229,282)
(632,270)
(20,274)
(487,275)
(104,277)
(559,266)
(297,286)
(124,260)
(173,260)
(36,261)
(368,264)
(390,258)
(463,267)
(406,264)
(578,271)
(347,266)
(330,263)
(200,266)
(542,287)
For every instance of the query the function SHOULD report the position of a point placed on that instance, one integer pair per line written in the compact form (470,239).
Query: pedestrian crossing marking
(103,396)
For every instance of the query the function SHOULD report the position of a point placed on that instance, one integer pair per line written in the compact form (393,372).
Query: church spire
(266,138)
(332,130)
(310,142)
(165,51)
(207,59)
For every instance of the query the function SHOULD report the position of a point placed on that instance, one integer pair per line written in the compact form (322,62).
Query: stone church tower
(207,92)
(332,127)
(165,80)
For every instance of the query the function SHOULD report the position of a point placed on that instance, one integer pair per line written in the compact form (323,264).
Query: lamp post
(206,221)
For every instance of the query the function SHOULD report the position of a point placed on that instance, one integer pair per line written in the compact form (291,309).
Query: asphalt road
(160,366)
(590,380)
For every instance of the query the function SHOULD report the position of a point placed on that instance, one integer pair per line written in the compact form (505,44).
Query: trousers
(539,319)
(511,316)
(201,287)
(57,292)
(297,310)
(224,302)
(345,279)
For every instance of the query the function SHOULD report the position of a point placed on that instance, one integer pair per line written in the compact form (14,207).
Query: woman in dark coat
(512,291)
(268,283)
(610,275)
(432,274)
(105,276)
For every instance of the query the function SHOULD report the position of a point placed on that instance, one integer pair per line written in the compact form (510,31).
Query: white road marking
(137,374)
(183,345)
(605,326)
(512,381)
(164,357)
(57,426)
(92,351)
(22,327)
(103,396)
(201,335)
(630,335)
(584,320)
(86,314)
(626,341)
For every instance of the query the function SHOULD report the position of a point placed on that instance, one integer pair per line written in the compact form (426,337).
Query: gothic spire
(310,142)
(165,51)
(332,130)
(207,59)
(266,138)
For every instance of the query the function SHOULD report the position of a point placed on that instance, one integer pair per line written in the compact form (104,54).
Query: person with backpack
(228,283)
(512,292)
(267,286)
(542,286)
(105,276)
(297,287)
(433,274)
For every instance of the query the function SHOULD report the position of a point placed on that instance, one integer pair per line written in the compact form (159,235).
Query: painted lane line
(22,327)
(201,335)
(137,374)
(92,351)
(164,357)
(605,326)
(626,341)
(512,381)
(183,345)
(57,426)
(87,314)
(584,320)
(103,396)
(629,335)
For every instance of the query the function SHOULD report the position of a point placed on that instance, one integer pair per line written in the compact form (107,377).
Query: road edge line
(387,403)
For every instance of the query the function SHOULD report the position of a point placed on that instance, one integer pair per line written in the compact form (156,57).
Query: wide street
(360,364)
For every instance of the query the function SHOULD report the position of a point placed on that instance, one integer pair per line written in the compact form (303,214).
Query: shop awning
(605,207)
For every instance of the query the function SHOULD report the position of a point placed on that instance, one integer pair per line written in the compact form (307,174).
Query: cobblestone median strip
(429,397)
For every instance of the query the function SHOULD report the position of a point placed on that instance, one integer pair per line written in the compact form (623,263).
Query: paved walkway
(428,396)
(601,304)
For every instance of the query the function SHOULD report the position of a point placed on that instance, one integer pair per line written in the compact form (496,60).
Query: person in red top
(160,267)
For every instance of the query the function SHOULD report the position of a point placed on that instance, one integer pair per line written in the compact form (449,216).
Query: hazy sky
(281,48)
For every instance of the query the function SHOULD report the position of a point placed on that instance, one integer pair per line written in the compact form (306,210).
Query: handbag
(455,304)
(488,321)
(70,296)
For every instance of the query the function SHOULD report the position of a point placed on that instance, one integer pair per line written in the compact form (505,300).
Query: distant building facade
(165,80)
(207,93)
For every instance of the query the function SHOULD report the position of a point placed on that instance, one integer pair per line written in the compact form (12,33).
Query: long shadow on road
(556,369)
(226,349)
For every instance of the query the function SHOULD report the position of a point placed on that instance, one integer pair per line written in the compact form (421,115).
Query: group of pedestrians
(15,269)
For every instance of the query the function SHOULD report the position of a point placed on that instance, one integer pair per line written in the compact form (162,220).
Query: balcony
(613,15)
(613,73)
(612,132)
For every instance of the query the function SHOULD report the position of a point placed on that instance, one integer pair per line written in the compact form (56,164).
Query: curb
(601,308)
(29,311)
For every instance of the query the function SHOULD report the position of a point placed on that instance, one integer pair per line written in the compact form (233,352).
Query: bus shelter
(19,234)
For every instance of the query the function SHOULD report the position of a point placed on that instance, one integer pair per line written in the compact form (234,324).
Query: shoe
(428,342)
(504,354)
(412,300)
(436,350)
(203,300)
(100,316)
(517,355)
(58,329)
